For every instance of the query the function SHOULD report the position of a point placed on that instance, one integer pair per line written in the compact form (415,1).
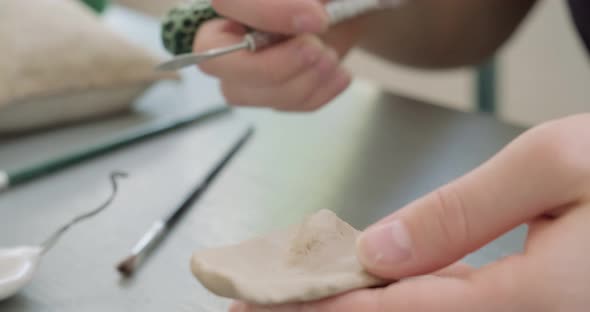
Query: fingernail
(284,308)
(385,245)
(307,23)
(342,80)
(328,64)
(238,307)
(310,53)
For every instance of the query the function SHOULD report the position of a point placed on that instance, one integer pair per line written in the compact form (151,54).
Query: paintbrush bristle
(127,266)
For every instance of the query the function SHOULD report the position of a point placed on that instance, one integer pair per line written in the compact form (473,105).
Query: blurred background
(541,74)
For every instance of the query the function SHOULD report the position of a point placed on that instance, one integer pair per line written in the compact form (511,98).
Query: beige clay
(314,260)
(60,63)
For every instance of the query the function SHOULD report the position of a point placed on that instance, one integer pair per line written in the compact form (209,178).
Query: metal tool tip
(166,66)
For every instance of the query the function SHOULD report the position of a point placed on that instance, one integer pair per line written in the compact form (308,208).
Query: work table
(364,156)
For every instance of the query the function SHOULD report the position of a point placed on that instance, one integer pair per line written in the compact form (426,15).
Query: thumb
(537,172)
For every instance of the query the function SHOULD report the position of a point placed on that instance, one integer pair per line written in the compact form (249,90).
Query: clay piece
(308,262)
(61,64)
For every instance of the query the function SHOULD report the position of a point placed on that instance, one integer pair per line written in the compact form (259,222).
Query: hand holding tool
(182,24)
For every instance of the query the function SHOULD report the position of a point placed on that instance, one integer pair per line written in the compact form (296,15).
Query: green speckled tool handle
(182,22)
(97,5)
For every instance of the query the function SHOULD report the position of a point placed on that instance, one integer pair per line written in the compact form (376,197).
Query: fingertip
(218,33)
(338,82)
(365,254)
(382,250)
(243,307)
(327,66)
(215,34)
(238,307)
(234,28)
(314,20)
(309,48)
(343,80)
(456,269)
(282,63)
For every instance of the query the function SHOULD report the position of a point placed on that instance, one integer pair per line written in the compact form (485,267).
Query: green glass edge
(98,6)
(486,89)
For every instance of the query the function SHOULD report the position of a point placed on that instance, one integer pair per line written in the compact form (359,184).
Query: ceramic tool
(12,178)
(179,39)
(161,227)
(19,264)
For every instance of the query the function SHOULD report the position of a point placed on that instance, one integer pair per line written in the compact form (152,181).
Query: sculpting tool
(162,227)
(12,178)
(18,265)
(178,39)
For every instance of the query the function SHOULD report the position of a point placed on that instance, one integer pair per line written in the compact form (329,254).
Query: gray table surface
(364,156)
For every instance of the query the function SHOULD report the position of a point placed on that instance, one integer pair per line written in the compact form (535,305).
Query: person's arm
(439,34)
(304,73)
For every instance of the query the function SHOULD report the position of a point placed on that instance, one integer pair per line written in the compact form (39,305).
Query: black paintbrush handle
(173,217)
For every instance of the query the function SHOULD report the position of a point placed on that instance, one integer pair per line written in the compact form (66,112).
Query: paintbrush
(162,227)
(9,179)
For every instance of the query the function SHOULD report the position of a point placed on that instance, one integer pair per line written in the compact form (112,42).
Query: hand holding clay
(541,179)
(310,261)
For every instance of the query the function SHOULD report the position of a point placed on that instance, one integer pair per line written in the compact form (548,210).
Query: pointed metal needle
(185,60)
